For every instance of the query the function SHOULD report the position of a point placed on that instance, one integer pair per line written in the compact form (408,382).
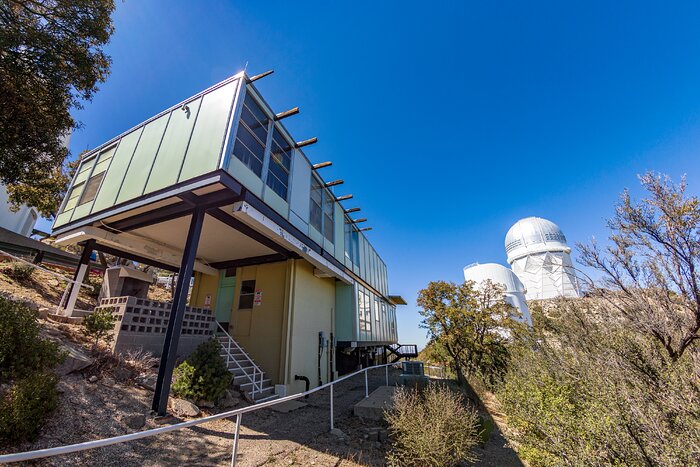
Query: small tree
(99,325)
(203,375)
(473,324)
(651,270)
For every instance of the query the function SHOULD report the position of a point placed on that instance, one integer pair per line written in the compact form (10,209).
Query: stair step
(249,386)
(268,398)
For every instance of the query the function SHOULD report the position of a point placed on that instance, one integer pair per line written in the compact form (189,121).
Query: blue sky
(447,121)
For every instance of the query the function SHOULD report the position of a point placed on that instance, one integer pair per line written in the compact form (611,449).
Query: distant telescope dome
(534,235)
(514,288)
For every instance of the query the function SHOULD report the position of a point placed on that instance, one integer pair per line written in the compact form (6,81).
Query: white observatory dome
(515,290)
(534,235)
(539,256)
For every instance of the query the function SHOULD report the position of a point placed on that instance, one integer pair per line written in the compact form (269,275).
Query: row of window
(251,142)
(322,211)
(88,179)
(381,326)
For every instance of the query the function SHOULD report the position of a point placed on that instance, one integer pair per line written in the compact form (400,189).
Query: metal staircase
(399,352)
(247,376)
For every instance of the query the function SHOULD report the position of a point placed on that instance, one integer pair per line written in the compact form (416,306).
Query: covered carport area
(205,224)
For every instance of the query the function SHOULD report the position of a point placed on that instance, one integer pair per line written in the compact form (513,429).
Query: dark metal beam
(245,229)
(177,314)
(252,261)
(174,211)
(139,259)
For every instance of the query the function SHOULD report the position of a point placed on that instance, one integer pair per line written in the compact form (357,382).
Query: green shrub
(203,375)
(433,427)
(20,272)
(26,406)
(22,350)
(99,325)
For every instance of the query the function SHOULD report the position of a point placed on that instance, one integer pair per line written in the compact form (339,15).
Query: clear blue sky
(448,121)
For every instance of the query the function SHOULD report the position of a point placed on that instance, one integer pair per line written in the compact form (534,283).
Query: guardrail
(238,413)
(229,357)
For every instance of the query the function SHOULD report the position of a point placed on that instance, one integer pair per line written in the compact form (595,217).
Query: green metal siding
(115,174)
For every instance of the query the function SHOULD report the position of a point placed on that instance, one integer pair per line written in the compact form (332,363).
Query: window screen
(91,188)
(316,216)
(251,136)
(245,301)
(280,163)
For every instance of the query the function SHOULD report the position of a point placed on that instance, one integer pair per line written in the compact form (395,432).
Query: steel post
(386,373)
(332,406)
(236,434)
(177,314)
(366,386)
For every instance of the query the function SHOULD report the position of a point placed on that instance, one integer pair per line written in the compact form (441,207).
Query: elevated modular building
(514,288)
(216,187)
(539,256)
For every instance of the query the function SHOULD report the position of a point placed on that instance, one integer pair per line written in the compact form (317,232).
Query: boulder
(229,399)
(205,404)
(183,408)
(337,432)
(134,421)
(147,381)
(76,360)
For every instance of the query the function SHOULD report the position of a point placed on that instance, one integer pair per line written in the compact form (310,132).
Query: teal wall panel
(135,179)
(171,153)
(209,132)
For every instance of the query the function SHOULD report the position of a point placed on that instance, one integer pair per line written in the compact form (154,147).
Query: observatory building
(515,290)
(539,256)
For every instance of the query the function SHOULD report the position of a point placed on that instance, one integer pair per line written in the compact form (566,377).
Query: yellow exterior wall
(312,302)
(204,285)
(260,330)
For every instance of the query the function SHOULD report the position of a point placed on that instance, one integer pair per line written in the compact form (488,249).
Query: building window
(352,238)
(91,188)
(316,216)
(280,164)
(251,137)
(245,300)
(364,311)
(376,310)
(328,215)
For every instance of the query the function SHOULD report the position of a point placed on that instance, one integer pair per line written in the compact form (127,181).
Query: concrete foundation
(373,407)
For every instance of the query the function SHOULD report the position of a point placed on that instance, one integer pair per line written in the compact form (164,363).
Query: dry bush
(433,427)
(140,360)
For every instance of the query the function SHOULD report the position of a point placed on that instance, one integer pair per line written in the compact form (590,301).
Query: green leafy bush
(433,427)
(99,325)
(22,350)
(203,375)
(27,405)
(20,272)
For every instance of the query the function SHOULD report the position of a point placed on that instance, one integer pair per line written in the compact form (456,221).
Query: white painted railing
(238,413)
(232,344)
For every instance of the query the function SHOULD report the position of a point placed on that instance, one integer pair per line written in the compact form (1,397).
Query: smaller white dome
(497,273)
(534,235)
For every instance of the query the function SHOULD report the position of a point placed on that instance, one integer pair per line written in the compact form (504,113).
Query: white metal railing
(238,413)
(440,370)
(230,342)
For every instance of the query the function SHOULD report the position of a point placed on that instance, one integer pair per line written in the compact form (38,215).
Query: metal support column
(177,313)
(80,273)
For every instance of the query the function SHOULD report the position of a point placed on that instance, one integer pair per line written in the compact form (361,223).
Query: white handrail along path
(238,413)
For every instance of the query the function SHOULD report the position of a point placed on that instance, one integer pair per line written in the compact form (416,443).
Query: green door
(224,296)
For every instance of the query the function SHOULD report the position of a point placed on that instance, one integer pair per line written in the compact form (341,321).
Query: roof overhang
(397,300)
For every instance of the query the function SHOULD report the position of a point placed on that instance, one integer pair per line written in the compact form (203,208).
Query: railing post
(332,406)
(366,385)
(386,373)
(235,440)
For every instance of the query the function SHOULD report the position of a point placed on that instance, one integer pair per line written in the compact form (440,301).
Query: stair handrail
(256,368)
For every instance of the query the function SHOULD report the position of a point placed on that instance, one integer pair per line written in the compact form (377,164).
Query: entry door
(224,297)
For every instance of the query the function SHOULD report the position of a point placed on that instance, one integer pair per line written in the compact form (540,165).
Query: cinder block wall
(141,324)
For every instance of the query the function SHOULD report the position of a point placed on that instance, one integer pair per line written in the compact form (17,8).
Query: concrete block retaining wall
(141,324)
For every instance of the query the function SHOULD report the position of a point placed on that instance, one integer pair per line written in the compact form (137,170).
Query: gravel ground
(301,437)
